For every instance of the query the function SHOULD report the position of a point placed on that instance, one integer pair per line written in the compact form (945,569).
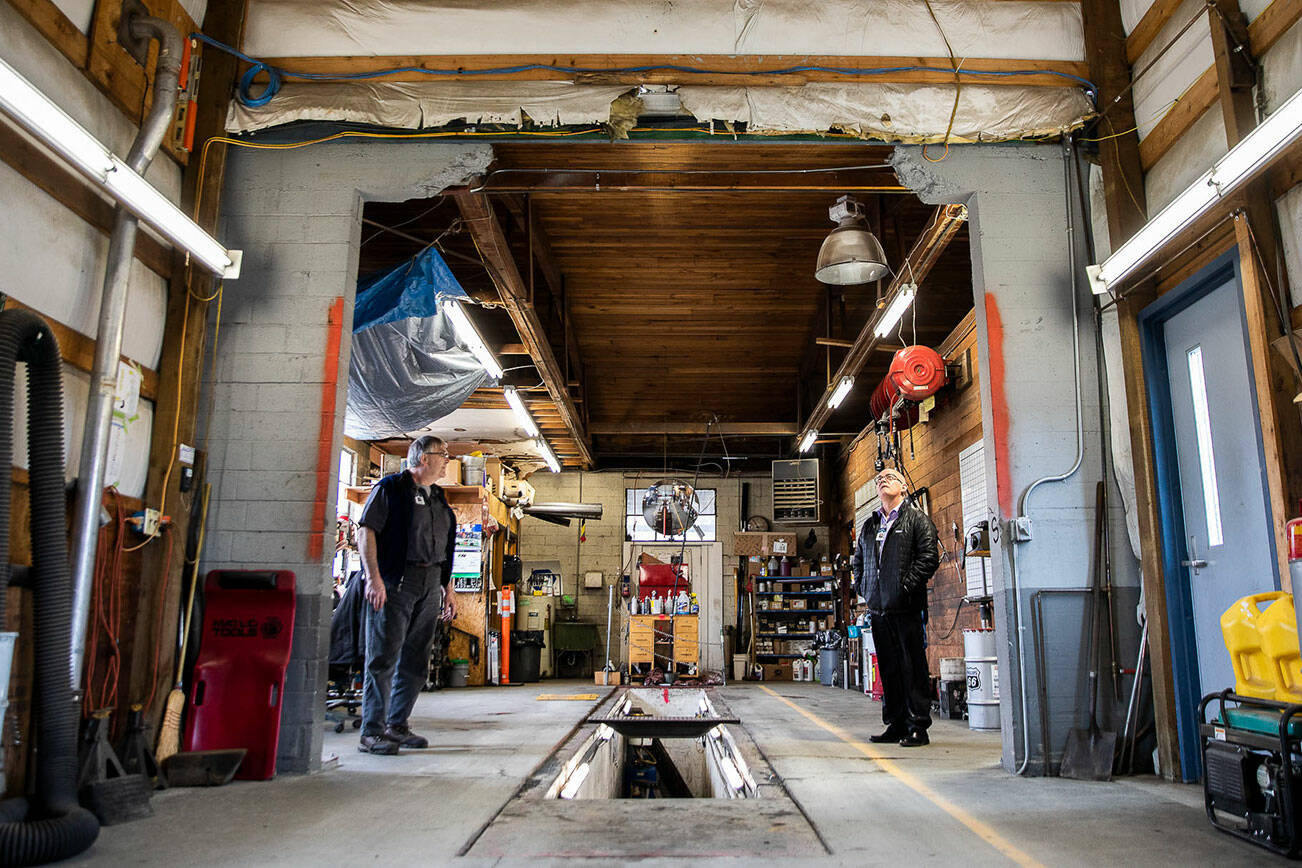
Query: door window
(1206,457)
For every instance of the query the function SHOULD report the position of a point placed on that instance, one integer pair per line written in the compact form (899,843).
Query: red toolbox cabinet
(239,677)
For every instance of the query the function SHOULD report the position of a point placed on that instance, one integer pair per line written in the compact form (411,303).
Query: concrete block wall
(297,216)
(1022,290)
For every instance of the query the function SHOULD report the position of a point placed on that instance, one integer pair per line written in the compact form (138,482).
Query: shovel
(1090,752)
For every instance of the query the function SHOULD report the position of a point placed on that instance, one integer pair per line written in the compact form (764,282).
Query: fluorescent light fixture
(808,440)
(521,411)
(548,455)
(1257,148)
(576,780)
(466,332)
(899,305)
(38,115)
(842,389)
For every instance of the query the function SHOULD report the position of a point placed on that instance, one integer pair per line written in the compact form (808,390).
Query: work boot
(891,734)
(401,734)
(378,744)
(915,738)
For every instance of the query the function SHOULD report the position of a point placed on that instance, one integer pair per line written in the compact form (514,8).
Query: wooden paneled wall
(932,461)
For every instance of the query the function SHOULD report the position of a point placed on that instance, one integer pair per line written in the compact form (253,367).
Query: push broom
(169,734)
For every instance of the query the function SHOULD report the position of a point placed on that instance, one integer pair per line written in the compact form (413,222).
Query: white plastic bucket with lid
(738,667)
(982,679)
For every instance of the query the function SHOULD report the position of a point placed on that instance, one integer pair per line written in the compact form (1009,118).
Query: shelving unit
(821,611)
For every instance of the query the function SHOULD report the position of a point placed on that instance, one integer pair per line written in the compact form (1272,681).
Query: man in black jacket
(406,537)
(894,558)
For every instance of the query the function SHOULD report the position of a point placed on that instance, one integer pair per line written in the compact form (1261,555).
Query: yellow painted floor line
(982,830)
(555,697)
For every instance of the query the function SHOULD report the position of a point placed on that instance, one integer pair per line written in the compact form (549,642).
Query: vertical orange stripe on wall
(325,436)
(998,406)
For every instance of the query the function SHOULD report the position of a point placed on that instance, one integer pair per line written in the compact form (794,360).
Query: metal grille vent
(796,491)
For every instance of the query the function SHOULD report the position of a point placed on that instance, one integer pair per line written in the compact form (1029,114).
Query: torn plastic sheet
(406,374)
(420,104)
(407,368)
(895,112)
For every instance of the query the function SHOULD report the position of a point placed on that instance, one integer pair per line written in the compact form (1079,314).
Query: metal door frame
(1179,601)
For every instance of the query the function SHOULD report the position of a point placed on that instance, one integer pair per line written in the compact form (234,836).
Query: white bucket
(738,667)
(472,470)
(982,679)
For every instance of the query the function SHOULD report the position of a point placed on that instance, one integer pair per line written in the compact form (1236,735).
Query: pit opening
(657,744)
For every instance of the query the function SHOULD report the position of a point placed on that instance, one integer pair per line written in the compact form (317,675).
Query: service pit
(713,793)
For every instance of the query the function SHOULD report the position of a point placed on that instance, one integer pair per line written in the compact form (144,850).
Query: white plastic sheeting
(289,28)
(414,105)
(1289,207)
(1192,154)
(894,112)
(1174,70)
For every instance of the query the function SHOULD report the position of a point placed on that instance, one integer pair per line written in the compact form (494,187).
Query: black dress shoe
(916,738)
(377,744)
(402,735)
(891,734)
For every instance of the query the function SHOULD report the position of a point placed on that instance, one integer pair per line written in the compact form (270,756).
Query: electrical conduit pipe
(51,825)
(1058,477)
(108,339)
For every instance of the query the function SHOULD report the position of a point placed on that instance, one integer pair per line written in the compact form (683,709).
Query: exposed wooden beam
(1236,74)
(513,350)
(78,350)
(730,69)
(543,181)
(1264,31)
(1148,27)
(482,222)
(1119,153)
(833,342)
(731,429)
(922,256)
(56,27)
(69,189)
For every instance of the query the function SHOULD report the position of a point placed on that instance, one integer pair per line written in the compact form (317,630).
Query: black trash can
(526,655)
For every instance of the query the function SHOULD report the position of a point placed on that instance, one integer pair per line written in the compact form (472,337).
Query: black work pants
(398,642)
(902,659)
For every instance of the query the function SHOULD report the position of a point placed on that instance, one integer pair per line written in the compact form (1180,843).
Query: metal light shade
(850,254)
(670,507)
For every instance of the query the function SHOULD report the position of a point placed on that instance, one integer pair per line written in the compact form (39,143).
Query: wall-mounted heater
(797,493)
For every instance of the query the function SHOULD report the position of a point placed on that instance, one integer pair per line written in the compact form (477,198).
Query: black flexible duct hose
(52,825)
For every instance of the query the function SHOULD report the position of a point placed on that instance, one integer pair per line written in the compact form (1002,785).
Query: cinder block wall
(296,214)
(1021,280)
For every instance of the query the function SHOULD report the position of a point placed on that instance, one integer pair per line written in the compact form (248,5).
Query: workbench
(662,640)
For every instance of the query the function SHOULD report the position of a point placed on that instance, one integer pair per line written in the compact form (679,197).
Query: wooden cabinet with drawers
(658,640)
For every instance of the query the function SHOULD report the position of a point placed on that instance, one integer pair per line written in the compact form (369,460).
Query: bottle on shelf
(773,565)
(694,607)
(681,604)
(784,566)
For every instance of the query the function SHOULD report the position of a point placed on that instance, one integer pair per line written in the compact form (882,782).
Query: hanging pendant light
(851,254)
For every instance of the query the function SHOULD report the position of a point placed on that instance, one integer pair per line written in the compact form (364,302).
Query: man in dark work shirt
(406,537)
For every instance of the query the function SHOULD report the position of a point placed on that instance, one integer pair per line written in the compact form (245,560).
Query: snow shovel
(1090,753)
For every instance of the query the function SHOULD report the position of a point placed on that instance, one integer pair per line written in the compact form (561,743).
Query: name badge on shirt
(420,500)
(881,536)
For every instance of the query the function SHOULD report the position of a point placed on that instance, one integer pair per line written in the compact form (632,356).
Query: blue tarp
(410,291)
(407,368)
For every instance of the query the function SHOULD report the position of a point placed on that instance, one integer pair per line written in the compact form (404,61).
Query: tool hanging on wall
(169,735)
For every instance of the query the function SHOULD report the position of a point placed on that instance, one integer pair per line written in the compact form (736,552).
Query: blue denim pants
(398,641)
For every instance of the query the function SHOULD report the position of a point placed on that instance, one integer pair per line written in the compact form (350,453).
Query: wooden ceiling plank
(748,429)
(487,232)
(730,69)
(1148,28)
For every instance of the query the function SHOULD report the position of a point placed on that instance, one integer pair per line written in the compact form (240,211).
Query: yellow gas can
(1278,628)
(1240,625)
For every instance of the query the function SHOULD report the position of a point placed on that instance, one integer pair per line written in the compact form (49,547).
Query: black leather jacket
(909,559)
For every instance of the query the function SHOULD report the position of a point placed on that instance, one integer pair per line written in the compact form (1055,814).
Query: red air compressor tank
(916,372)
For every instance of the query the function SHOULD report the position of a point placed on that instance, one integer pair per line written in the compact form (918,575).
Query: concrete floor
(948,802)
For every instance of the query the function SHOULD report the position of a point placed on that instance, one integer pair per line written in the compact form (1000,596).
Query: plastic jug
(1240,626)
(1278,629)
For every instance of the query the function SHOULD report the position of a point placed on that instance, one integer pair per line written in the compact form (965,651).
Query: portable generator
(1252,769)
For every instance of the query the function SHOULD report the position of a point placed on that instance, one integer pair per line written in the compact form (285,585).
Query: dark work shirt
(431,520)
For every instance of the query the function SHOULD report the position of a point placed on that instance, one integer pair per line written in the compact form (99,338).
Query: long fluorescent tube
(41,117)
(808,440)
(466,332)
(899,305)
(842,389)
(548,455)
(521,411)
(1274,134)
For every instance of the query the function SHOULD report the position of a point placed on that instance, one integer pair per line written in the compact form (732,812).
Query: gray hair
(421,445)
